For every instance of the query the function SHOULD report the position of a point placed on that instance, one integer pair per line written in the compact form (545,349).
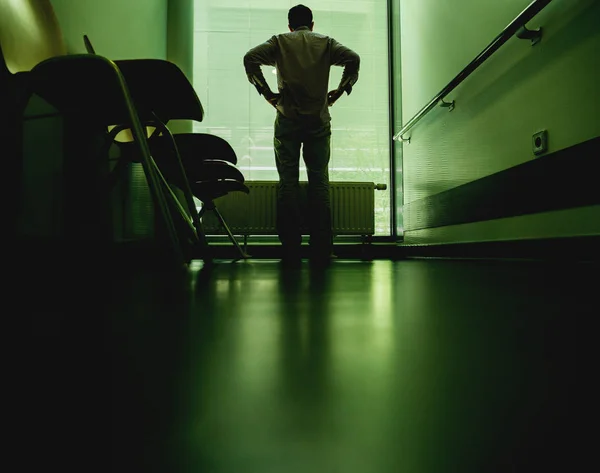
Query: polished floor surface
(417,366)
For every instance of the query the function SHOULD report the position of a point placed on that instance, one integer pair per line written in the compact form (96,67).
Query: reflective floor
(419,366)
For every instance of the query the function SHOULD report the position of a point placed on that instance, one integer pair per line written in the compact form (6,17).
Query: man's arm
(343,56)
(262,55)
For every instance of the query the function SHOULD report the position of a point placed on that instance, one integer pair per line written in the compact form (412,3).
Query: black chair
(92,91)
(209,162)
(161,93)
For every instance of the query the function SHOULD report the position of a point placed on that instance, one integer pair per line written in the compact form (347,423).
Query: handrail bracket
(398,137)
(514,28)
(448,105)
(534,35)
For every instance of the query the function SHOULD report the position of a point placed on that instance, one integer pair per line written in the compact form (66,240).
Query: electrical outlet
(539,142)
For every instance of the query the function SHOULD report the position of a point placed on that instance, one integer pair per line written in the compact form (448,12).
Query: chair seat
(211,170)
(160,87)
(210,190)
(195,169)
(82,84)
(205,146)
(195,147)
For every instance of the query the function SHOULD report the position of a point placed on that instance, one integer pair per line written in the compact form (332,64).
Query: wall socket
(539,142)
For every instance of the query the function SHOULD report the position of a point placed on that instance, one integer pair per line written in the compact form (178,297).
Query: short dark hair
(299,15)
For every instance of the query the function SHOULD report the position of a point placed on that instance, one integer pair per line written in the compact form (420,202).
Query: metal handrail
(516,27)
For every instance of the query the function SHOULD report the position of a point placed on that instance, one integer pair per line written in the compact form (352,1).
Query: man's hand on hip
(272,98)
(333,96)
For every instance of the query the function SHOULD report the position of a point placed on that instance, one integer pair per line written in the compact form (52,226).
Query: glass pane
(226,29)
(397,108)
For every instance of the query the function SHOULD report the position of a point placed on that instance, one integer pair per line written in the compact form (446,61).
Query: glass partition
(224,30)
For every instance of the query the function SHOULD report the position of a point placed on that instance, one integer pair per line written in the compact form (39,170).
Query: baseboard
(584,248)
(357,251)
(56,257)
(561,180)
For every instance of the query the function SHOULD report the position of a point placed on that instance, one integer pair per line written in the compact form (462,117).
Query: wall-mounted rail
(515,28)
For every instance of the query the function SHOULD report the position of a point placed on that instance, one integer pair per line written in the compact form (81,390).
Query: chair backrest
(88,45)
(29,34)
(158,87)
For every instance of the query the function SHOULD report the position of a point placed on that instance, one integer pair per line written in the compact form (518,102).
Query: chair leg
(231,237)
(163,208)
(176,204)
(196,232)
(187,190)
(158,197)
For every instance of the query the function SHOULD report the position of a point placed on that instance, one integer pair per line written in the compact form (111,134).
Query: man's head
(298,16)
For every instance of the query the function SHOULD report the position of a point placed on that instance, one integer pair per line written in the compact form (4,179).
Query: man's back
(303,59)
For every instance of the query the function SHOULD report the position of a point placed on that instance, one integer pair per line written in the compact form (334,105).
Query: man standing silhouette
(303,59)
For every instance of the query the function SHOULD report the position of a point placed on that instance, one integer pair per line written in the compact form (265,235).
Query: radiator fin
(352,209)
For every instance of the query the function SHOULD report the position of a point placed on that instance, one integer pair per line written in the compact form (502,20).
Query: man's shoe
(322,261)
(291,257)
(287,263)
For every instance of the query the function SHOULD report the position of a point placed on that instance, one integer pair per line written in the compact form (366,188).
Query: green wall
(395,7)
(158,29)
(520,90)
(180,47)
(118,29)
(180,34)
(161,29)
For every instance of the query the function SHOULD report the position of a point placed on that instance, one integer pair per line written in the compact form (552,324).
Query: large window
(226,29)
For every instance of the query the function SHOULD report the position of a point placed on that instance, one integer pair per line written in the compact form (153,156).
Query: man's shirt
(303,59)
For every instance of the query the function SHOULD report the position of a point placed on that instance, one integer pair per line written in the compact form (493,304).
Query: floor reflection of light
(257,338)
(303,323)
(381,298)
(225,286)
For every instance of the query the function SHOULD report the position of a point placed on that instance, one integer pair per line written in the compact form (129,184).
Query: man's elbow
(250,62)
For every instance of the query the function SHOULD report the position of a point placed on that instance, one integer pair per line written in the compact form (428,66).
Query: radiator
(352,209)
